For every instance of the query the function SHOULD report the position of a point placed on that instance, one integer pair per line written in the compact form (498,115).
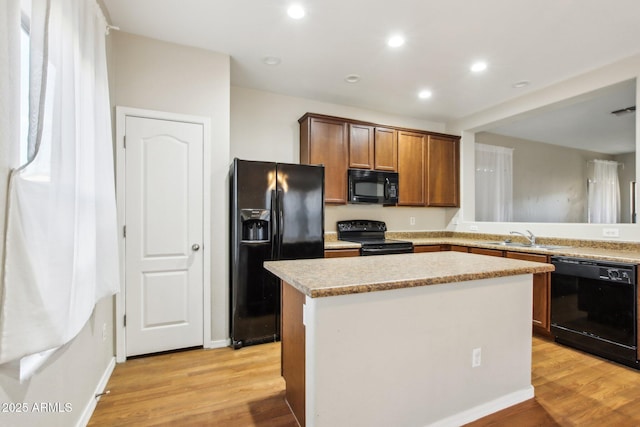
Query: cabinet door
(427,248)
(385,150)
(341,253)
(323,141)
(361,146)
(443,171)
(411,168)
(483,251)
(541,290)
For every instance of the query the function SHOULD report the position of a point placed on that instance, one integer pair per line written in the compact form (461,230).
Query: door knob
(195,247)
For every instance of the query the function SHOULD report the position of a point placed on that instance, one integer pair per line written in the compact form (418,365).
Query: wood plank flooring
(224,387)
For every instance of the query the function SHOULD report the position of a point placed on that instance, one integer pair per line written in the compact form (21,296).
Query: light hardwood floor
(224,387)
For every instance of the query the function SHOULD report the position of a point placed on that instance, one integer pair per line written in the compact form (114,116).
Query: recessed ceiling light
(352,78)
(395,41)
(479,66)
(271,60)
(424,94)
(521,83)
(295,11)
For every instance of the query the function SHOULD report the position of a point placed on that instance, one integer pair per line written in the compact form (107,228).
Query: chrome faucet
(530,237)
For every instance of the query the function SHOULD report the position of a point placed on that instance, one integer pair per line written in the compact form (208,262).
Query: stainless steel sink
(508,243)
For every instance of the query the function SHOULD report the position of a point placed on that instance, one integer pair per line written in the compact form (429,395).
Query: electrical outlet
(476,357)
(473,227)
(412,220)
(104,331)
(611,232)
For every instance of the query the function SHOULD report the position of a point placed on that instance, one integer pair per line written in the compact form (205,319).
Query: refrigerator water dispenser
(255,224)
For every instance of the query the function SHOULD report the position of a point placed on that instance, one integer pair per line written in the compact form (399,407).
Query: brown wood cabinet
(361,146)
(427,248)
(541,292)
(459,248)
(385,149)
(411,168)
(293,352)
(340,253)
(427,163)
(373,147)
(324,141)
(429,170)
(483,251)
(443,171)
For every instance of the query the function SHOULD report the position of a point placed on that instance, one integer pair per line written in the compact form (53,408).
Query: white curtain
(494,183)
(604,192)
(61,237)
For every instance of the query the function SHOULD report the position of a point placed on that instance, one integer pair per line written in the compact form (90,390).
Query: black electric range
(370,234)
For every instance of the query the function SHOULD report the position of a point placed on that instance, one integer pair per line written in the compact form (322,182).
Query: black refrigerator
(277,213)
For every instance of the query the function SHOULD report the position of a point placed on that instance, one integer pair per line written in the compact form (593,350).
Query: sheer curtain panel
(494,183)
(61,237)
(9,101)
(604,193)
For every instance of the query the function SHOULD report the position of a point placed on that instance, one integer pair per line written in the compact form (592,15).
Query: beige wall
(71,376)
(155,75)
(264,126)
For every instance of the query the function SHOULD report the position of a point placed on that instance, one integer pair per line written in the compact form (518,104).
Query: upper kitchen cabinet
(373,147)
(361,146)
(428,164)
(443,171)
(385,149)
(324,141)
(411,168)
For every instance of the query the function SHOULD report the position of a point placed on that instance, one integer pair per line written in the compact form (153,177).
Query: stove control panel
(358,225)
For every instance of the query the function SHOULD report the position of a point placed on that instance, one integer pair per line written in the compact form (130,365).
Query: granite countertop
(325,277)
(593,249)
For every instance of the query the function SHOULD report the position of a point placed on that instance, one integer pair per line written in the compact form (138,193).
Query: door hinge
(124,141)
(125,321)
(124,231)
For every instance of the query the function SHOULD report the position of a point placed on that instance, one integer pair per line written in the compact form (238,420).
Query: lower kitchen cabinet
(427,248)
(483,251)
(339,253)
(541,293)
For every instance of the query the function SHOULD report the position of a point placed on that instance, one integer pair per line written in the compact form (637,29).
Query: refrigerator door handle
(279,195)
(275,241)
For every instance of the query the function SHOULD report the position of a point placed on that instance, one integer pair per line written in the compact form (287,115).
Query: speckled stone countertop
(341,276)
(594,249)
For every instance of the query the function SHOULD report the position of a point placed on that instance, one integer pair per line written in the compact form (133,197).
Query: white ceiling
(542,41)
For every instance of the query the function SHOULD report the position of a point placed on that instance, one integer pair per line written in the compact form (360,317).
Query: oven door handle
(382,251)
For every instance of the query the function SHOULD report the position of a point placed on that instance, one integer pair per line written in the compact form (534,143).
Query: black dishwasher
(593,307)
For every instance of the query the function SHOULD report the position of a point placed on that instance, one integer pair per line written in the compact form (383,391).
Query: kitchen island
(415,339)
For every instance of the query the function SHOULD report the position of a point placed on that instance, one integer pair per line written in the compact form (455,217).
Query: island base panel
(293,350)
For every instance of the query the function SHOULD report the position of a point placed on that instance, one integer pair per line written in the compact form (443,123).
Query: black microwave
(368,186)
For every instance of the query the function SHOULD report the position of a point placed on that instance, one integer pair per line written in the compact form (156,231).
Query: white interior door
(164,235)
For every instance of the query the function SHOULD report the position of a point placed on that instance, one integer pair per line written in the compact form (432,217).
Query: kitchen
(250,123)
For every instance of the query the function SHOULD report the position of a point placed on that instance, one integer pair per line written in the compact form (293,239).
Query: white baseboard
(485,409)
(217,343)
(93,401)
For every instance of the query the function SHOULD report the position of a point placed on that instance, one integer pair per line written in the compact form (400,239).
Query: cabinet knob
(195,247)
